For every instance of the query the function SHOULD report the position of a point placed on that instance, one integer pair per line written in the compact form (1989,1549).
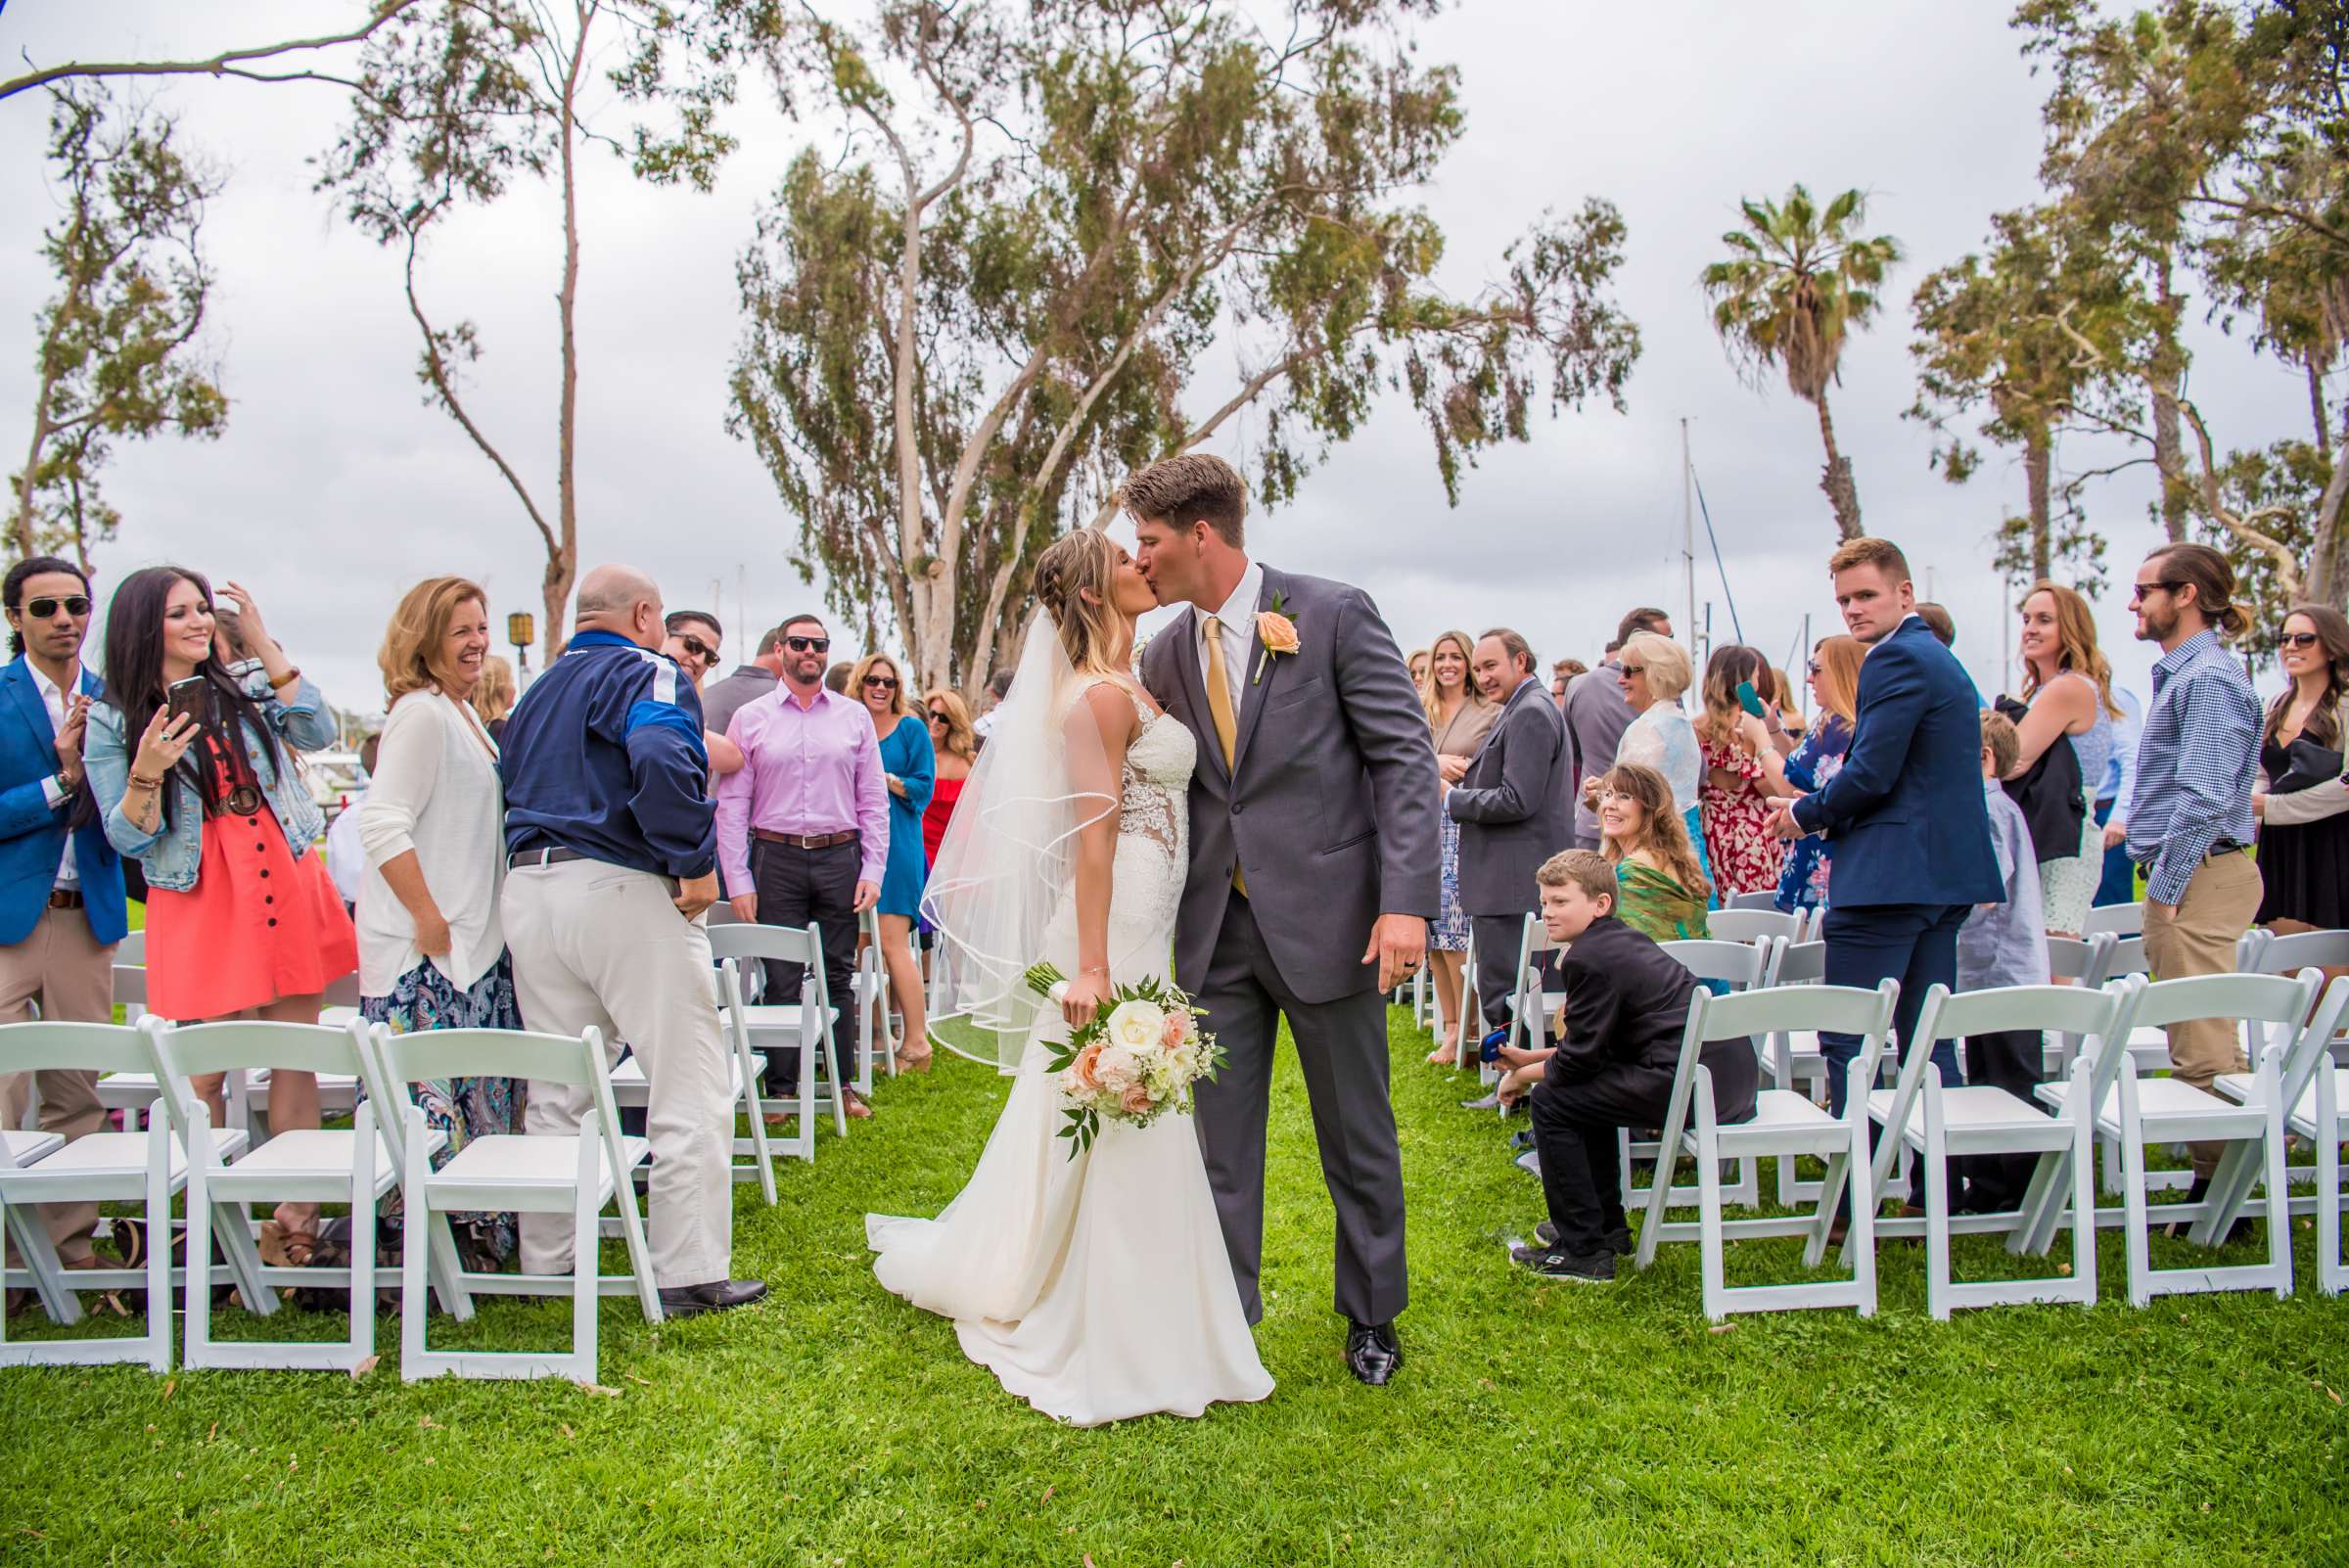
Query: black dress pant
(2010,1060)
(1574,1126)
(1497,939)
(796,886)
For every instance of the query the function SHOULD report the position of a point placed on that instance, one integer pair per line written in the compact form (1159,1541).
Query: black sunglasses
(880,683)
(2136,595)
(808,644)
(2299,640)
(696,647)
(76,605)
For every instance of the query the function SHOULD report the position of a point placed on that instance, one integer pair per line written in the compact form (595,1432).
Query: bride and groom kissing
(1259,811)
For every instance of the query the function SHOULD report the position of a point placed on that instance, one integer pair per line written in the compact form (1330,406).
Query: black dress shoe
(1372,1352)
(691,1301)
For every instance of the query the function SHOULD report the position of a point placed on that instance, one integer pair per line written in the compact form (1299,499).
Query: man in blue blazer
(1907,813)
(61,883)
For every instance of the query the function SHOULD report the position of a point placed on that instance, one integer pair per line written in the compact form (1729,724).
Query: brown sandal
(908,1062)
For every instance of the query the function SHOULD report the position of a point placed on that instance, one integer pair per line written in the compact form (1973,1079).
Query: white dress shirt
(69,875)
(1237,619)
(435,791)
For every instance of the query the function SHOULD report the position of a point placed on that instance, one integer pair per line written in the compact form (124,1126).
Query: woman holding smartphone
(193,770)
(1733,797)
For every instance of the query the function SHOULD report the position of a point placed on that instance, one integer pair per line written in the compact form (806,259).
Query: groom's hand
(1398,947)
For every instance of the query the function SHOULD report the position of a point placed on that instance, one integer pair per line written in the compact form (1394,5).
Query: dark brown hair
(2333,636)
(1195,488)
(2208,573)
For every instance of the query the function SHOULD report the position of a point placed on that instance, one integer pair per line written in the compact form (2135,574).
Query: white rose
(1117,1069)
(1136,1025)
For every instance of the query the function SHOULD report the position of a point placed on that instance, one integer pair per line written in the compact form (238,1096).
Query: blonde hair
(1076,565)
(1663,835)
(2075,644)
(1666,662)
(411,655)
(1427,687)
(1999,739)
(1731,664)
(493,697)
(900,704)
(961,739)
(1839,658)
(1882,554)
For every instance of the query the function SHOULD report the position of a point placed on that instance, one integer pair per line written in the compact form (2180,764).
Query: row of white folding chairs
(220,1173)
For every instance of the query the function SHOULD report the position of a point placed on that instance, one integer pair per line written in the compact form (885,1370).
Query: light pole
(521,629)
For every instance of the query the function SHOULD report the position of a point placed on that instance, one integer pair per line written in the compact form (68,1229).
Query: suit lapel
(27,699)
(1252,690)
(1185,631)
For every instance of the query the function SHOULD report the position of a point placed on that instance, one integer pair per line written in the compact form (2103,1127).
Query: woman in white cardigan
(433,825)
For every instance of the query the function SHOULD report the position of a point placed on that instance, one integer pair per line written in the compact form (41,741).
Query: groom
(1314,868)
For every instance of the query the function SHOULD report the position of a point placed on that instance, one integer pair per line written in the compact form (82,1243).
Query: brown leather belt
(64,897)
(805,841)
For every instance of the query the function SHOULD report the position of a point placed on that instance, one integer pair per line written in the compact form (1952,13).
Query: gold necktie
(1219,709)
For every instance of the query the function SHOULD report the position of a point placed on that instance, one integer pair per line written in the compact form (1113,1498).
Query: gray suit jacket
(1512,806)
(1328,808)
(723,699)
(1597,713)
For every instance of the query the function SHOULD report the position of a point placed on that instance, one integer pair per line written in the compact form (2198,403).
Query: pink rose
(1085,1071)
(1178,1028)
(1137,1100)
(1277,632)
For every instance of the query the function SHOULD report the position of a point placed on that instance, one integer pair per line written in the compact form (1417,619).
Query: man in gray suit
(721,699)
(1597,713)
(1313,869)
(1512,803)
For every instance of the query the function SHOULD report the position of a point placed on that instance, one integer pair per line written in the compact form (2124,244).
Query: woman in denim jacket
(242,920)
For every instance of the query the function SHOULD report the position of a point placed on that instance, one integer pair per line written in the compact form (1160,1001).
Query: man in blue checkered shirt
(2189,819)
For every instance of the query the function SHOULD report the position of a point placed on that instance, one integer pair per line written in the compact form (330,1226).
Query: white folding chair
(1783,1123)
(1529,1024)
(1752,924)
(148,1168)
(1738,902)
(2311,1089)
(317,1165)
(1741,967)
(1472,1030)
(805,1025)
(574,1174)
(2116,919)
(870,984)
(631,1090)
(2136,1113)
(1944,1121)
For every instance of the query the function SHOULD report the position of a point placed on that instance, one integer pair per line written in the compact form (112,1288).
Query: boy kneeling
(1627,1010)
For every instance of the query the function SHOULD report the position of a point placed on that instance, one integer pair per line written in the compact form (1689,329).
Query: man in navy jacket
(61,883)
(1907,813)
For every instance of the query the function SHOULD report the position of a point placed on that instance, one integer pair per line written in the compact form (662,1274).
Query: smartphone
(192,697)
(1749,698)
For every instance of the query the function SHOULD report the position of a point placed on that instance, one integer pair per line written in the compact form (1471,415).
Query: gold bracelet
(138,783)
(280,682)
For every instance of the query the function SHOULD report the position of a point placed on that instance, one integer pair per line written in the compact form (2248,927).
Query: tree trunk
(2038,459)
(1836,479)
(21,530)
(563,562)
(2316,402)
(2328,579)
(2161,380)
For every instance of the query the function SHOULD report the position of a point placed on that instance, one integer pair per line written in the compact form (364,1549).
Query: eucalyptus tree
(316,57)
(1055,240)
(118,351)
(1799,280)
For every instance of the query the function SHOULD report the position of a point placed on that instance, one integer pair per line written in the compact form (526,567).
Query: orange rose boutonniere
(1277,632)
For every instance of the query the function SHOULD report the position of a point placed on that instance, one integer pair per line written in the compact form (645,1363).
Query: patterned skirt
(465,1108)
(2067,888)
(1450,932)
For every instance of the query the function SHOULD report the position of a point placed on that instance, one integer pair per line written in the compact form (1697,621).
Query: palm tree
(1797,282)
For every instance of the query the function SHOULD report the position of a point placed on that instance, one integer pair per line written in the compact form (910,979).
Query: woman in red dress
(958,747)
(1733,796)
(242,920)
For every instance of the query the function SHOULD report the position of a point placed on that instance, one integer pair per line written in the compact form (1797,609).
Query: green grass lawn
(1533,1423)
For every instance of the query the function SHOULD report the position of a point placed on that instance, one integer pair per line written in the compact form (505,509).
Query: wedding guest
(909,769)
(998,687)
(1655,671)
(345,857)
(2068,685)
(836,678)
(956,749)
(1779,693)
(2302,800)
(723,699)
(1510,802)
(1834,676)
(1459,718)
(1661,890)
(1418,662)
(1562,676)
(692,641)
(1912,849)
(609,862)
(241,919)
(1627,1010)
(1596,714)
(2118,884)
(493,695)
(62,908)
(432,834)
(1732,795)
(2003,943)
(1939,621)
(802,832)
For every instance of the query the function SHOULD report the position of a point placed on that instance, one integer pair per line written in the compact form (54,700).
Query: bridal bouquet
(1135,1061)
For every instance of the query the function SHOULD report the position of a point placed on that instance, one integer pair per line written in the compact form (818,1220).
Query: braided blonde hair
(1076,564)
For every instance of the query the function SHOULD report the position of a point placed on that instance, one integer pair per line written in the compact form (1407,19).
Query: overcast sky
(335,486)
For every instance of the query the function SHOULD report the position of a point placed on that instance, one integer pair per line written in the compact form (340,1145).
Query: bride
(1096,1287)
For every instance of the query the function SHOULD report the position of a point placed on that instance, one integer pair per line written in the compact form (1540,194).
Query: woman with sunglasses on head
(2302,800)
(911,767)
(1458,718)
(196,774)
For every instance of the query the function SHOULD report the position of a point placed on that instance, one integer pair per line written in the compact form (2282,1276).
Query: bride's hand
(1082,1001)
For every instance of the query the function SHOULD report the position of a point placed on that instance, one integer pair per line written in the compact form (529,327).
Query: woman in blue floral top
(1813,761)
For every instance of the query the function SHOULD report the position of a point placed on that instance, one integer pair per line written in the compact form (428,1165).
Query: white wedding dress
(1094,1287)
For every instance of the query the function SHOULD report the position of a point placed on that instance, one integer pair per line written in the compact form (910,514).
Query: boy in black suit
(1627,1010)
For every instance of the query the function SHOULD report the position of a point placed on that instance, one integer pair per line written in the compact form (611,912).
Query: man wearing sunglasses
(61,883)
(803,831)
(692,640)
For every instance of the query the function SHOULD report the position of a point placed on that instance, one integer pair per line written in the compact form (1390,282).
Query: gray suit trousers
(1342,1046)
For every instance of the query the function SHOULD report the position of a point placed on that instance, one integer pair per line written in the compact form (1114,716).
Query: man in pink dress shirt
(803,830)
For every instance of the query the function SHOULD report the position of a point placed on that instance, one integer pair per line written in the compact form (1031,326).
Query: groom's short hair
(1195,488)
(1520,652)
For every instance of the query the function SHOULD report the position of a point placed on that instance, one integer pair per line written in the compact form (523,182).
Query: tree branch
(226,64)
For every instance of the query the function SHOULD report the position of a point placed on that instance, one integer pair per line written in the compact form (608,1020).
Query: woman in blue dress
(1813,761)
(911,765)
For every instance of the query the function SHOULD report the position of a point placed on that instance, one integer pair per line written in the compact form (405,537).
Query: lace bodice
(1157,783)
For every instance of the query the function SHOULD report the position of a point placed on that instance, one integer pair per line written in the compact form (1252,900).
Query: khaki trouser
(603,946)
(63,968)
(2198,937)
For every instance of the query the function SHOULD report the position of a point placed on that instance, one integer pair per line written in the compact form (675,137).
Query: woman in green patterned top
(1662,890)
